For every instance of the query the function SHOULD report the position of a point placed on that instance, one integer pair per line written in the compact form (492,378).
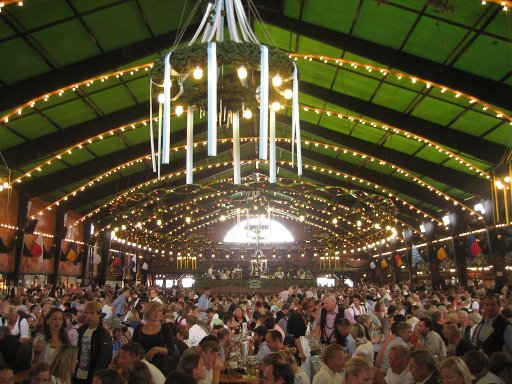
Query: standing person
(453,370)
(355,309)
(64,364)
(121,302)
(494,332)
(203,302)
(298,324)
(17,325)
(155,337)
(329,314)
(423,367)
(153,295)
(54,335)
(94,345)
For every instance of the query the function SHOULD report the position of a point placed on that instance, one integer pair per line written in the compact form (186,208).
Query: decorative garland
(230,56)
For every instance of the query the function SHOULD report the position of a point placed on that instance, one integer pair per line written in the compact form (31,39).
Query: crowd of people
(302,335)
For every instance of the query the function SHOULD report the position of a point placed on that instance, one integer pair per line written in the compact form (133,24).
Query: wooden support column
(21,222)
(59,236)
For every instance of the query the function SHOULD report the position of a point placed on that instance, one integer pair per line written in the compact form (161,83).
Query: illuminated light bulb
(507,179)
(277,81)
(499,184)
(159,222)
(242,72)
(179,110)
(198,73)
(288,94)
(187,219)
(276,106)
(6,184)
(161,98)
(247,114)
(335,221)
(222,218)
(301,218)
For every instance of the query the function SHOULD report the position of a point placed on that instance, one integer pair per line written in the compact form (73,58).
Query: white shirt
(326,376)
(405,377)
(208,379)
(490,378)
(158,377)
(195,335)
(21,328)
(366,350)
(107,310)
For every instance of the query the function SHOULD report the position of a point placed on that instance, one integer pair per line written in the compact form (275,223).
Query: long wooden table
(237,379)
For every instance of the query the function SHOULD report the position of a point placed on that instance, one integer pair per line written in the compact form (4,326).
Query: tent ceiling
(419,108)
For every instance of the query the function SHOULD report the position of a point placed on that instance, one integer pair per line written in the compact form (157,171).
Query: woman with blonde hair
(64,364)
(453,370)
(156,338)
(299,376)
(358,370)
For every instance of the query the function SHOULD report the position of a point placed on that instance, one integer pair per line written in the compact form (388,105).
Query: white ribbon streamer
(263,147)
(236,148)
(159,154)
(272,155)
(203,22)
(212,99)
(166,129)
(151,134)
(230,17)
(296,119)
(190,146)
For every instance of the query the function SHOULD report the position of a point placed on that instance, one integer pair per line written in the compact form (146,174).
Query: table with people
(305,335)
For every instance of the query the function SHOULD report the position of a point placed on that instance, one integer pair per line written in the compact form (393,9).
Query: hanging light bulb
(242,72)
(276,106)
(247,114)
(161,98)
(277,81)
(288,94)
(198,73)
(187,219)
(179,110)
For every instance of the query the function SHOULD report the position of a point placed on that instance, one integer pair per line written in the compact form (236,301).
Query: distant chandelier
(242,75)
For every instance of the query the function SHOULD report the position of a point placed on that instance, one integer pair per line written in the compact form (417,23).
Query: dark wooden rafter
(485,89)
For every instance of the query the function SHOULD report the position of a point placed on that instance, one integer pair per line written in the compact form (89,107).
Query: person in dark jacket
(94,345)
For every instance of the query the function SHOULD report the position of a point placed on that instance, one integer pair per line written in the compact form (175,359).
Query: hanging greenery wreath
(230,55)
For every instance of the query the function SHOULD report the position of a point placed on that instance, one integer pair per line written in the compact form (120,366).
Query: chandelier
(224,80)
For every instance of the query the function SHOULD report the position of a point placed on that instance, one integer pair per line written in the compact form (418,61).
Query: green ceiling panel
(436,111)
(329,14)
(140,88)
(106,146)
(32,126)
(310,46)
(88,5)
(393,97)
(433,40)
(317,73)
(137,167)
(37,15)
(281,38)
(481,57)
(431,154)
(368,133)
(117,26)
(6,32)
(376,166)
(402,144)
(502,136)
(335,124)
(355,85)
(54,167)
(78,156)
(164,17)
(474,123)
(140,135)
(19,62)
(9,139)
(70,114)
(113,100)
(500,25)
(61,40)
(385,29)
